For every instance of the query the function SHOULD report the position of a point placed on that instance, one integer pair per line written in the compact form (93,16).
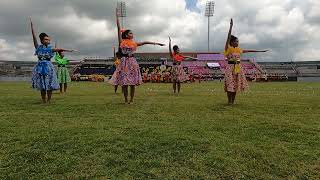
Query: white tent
(213,65)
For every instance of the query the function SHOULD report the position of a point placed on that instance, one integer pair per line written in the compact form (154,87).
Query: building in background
(156,67)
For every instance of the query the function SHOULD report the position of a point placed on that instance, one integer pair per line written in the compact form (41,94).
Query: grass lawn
(272,132)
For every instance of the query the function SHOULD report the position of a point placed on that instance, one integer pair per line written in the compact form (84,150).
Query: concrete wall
(308,79)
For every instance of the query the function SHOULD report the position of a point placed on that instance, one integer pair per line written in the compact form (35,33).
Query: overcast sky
(290,29)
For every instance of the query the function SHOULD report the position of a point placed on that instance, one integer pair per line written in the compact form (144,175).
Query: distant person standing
(178,74)
(116,74)
(115,79)
(63,72)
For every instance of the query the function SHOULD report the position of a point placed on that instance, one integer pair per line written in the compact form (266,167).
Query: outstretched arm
(248,51)
(66,50)
(56,49)
(118,27)
(229,35)
(170,50)
(35,41)
(190,57)
(149,42)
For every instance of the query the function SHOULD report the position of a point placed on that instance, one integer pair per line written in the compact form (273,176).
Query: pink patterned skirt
(115,79)
(234,82)
(129,72)
(178,74)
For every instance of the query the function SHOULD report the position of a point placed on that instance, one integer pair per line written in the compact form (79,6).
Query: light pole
(121,6)
(209,13)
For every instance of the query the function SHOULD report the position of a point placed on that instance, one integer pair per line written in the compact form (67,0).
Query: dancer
(117,56)
(44,76)
(116,74)
(178,73)
(63,72)
(235,79)
(129,68)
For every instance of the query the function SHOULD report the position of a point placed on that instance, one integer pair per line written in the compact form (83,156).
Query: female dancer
(235,79)
(129,68)
(62,73)
(116,74)
(44,76)
(178,73)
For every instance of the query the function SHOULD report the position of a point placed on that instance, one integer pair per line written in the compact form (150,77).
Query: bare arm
(56,49)
(248,51)
(149,42)
(190,57)
(118,27)
(35,41)
(170,50)
(229,35)
(61,49)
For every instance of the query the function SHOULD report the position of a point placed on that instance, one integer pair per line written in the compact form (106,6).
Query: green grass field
(272,132)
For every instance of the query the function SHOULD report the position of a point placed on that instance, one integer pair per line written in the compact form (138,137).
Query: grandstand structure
(296,71)
(21,70)
(209,66)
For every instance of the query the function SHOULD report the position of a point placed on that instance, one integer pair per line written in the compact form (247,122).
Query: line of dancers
(127,73)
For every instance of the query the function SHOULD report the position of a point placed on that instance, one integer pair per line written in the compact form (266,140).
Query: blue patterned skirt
(44,76)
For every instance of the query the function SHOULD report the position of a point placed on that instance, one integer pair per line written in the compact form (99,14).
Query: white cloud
(250,39)
(87,29)
(15,51)
(282,26)
(270,14)
(311,53)
(315,9)
(7,52)
(288,24)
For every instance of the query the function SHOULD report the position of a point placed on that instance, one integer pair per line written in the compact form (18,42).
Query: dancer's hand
(169,38)
(231,22)
(160,44)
